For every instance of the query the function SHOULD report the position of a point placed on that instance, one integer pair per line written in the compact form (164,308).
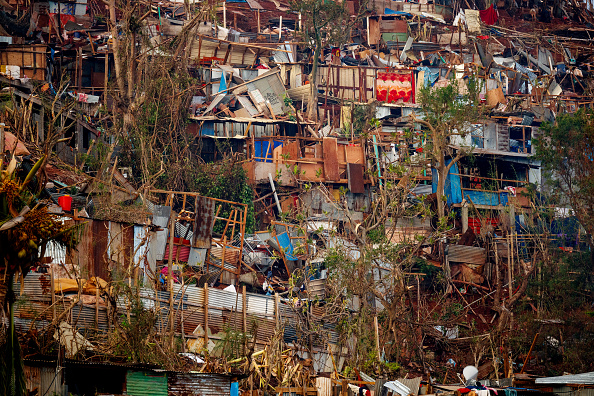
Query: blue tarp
(453,187)
(207,129)
(234,388)
(388,11)
(261,149)
(491,198)
(285,243)
(454,192)
(431,75)
(223,83)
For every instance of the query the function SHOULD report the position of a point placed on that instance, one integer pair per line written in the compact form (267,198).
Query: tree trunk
(441,174)
(312,103)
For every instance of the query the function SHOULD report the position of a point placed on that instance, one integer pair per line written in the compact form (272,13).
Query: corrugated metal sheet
(269,89)
(225,300)
(412,383)
(583,378)
(324,386)
(205,213)
(140,247)
(563,390)
(142,383)
(56,252)
(180,253)
(51,381)
(209,48)
(198,384)
(260,305)
(197,257)
(160,218)
(467,254)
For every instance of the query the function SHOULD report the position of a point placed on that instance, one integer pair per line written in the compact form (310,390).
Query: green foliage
(377,235)
(450,110)
(158,139)
(566,150)
(135,337)
(563,284)
(364,119)
(324,22)
(562,292)
(225,180)
(230,346)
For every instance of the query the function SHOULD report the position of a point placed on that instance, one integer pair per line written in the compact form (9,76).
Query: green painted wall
(143,383)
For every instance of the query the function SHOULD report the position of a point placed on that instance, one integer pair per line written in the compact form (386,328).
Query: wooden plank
(374,31)
(355,176)
(291,150)
(330,156)
(354,154)
(99,253)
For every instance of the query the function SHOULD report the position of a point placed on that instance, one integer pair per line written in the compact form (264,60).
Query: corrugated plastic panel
(198,384)
(142,383)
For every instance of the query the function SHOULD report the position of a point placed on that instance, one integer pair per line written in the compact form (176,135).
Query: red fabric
(489,16)
(64,18)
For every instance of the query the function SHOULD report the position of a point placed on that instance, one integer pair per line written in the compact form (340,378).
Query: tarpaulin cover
(453,186)
(262,150)
(489,16)
(285,244)
(388,11)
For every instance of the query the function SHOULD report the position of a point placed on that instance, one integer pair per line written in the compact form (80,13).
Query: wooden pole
(170,267)
(97,308)
(258,15)
(277,310)
(529,352)
(377,344)
(206,316)
(509,266)
(53,291)
(244,314)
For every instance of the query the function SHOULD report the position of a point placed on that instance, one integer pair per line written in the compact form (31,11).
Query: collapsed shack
(345,265)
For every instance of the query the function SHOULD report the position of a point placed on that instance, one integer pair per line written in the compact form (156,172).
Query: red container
(475,223)
(65,201)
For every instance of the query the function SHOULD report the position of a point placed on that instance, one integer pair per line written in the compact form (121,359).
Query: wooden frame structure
(221,249)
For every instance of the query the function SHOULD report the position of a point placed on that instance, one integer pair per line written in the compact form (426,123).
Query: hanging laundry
(489,16)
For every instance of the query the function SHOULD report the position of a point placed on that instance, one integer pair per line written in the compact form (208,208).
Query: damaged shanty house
(228,202)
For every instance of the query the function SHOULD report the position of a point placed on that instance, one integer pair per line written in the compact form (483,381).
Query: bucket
(65,201)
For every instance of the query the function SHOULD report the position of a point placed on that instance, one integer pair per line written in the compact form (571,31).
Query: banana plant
(26,227)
